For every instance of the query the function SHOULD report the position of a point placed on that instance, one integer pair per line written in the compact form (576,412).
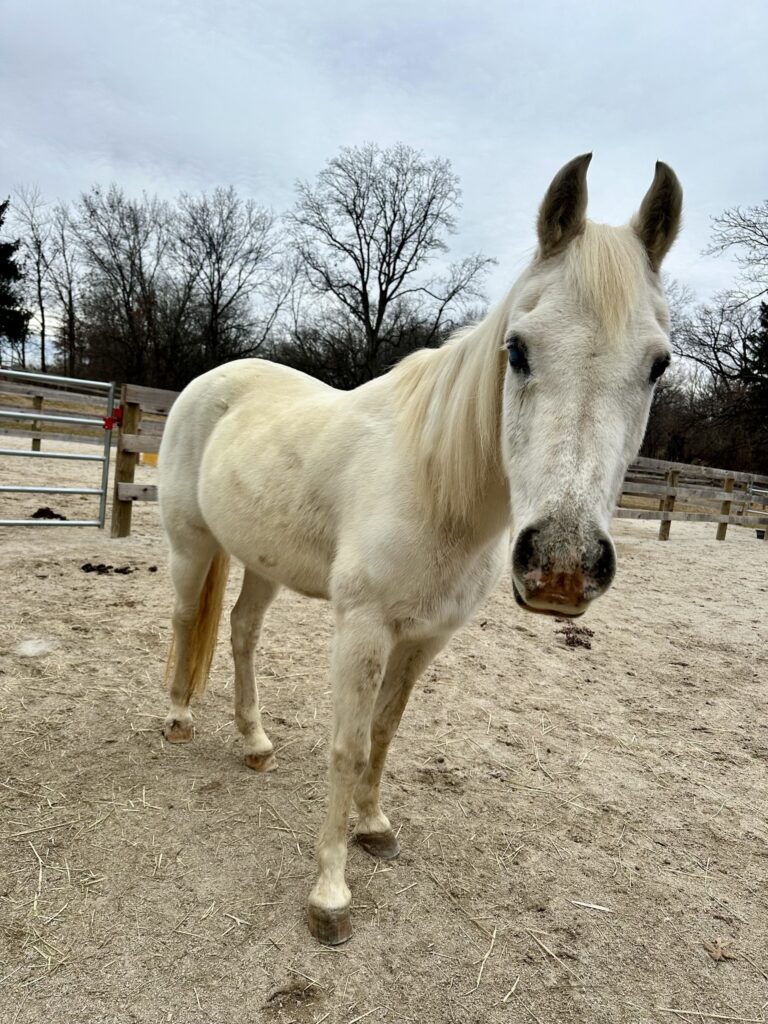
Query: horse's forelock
(606,266)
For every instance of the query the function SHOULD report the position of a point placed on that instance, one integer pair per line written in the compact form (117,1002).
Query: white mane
(450,413)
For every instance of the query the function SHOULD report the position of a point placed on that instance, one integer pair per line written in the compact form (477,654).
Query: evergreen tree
(13,317)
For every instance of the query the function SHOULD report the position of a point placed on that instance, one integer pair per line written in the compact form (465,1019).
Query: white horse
(396,501)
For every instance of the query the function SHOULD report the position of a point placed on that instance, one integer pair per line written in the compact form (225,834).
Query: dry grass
(575,822)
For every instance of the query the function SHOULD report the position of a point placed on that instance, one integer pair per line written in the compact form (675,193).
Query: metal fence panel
(99,391)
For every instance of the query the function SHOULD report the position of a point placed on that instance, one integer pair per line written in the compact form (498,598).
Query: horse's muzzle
(558,574)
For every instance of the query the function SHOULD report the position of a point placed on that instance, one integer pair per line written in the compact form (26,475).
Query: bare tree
(716,409)
(725,337)
(124,243)
(34,222)
(364,235)
(227,246)
(66,270)
(727,340)
(744,231)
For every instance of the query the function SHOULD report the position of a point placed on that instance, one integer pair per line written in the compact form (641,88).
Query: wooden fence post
(672,477)
(37,405)
(125,467)
(725,509)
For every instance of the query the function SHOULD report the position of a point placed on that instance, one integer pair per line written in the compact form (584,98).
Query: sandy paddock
(584,829)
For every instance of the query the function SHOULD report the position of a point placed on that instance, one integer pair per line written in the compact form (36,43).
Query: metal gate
(100,392)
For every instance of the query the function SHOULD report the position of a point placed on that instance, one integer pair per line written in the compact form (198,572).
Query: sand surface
(576,822)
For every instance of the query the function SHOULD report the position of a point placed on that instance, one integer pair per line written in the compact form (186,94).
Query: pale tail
(205,628)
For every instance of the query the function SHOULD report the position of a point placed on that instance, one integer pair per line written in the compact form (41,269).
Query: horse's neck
(451,407)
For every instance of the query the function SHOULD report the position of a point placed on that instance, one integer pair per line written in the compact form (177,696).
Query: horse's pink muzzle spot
(557,574)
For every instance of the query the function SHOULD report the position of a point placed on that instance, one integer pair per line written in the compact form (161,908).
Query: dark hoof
(383,845)
(331,927)
(178,732)
(261,762)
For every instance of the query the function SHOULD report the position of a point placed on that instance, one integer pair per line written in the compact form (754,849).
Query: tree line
(712,408)
(353,277)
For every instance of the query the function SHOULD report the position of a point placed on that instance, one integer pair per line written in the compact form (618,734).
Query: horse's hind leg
(247,616)
(190,563)
(406,663)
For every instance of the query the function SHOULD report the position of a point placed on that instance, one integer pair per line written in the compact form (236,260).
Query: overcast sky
(189,94)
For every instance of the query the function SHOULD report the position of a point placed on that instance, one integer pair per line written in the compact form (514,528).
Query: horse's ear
(658,219)
(562,214)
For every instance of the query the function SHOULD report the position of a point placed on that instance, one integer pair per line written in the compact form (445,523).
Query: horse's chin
(548,608)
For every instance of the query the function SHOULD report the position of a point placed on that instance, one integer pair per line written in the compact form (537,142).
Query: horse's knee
(350,760)
(382,732)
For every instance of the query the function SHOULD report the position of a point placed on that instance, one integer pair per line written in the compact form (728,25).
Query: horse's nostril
(525,553)
(605,566)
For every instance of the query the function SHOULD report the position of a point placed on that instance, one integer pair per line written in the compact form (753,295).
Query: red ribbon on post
(114,419)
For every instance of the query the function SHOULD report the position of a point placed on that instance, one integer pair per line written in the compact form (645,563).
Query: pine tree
(13,317)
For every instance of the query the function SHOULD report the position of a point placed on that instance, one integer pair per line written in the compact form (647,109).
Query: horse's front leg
(406,663)
(361,649)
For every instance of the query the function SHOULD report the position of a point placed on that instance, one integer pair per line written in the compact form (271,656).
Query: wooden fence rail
(653,489)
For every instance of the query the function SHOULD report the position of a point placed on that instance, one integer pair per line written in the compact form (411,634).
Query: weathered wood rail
(136,436)
(690,493)
(680,492)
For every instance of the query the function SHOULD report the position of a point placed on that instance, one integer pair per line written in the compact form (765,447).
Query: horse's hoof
(261,762)
(178,732)
(331,927)
(383,845)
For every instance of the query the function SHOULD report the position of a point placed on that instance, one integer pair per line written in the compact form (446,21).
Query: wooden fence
(693,494)
(141,427)
(653,489)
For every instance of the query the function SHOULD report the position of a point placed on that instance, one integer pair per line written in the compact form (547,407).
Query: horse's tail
(204,630)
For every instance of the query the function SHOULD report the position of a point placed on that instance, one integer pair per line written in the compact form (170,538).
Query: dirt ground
(584,817)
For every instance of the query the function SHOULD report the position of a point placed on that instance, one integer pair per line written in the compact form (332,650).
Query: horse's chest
(442,600)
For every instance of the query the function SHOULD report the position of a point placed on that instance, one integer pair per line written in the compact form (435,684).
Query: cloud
(165,96)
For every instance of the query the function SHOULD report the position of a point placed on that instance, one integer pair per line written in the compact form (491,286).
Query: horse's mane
(450,398)
(450,413)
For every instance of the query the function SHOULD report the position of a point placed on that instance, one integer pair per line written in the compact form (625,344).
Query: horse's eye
(658,368)
(518,358)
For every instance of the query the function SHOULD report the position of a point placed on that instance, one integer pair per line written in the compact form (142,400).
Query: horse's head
(587,337)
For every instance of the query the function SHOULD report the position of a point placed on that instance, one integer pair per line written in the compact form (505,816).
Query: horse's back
(264,388)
